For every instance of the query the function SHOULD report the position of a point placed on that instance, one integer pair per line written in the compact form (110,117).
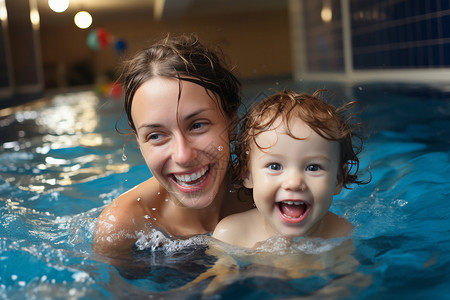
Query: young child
(295,152)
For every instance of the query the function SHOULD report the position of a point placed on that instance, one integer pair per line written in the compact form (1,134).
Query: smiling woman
(181,102)
(181,146)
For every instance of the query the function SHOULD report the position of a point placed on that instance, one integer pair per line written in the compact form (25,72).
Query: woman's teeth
(189,179)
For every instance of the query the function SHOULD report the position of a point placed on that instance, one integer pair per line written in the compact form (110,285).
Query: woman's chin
(196,202)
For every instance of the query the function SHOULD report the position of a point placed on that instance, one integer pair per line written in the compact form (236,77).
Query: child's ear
(340,180)
(247,180)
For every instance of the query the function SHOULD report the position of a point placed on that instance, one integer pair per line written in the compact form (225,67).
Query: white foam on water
(157,240)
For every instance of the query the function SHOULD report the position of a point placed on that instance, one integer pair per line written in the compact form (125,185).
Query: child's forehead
(298,140)
(295,127)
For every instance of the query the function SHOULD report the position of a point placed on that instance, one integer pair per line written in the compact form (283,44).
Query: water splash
(124,157)
(158,240)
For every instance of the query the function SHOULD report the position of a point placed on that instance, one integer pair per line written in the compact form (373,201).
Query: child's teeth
(294,202)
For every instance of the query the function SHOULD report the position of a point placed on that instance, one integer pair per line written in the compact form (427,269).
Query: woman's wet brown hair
(184,58)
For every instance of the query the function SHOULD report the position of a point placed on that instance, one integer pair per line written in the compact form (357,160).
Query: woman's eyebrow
(195,113)
(187,117)
(145,125)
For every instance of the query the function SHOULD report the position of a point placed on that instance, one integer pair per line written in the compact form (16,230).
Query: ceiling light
(83,19)
(58,5)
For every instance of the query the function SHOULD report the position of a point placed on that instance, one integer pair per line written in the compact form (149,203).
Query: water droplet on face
(166,200)
(147,216)
(138,199)
(154,219)
(153,208)
(220,148)
(159,193)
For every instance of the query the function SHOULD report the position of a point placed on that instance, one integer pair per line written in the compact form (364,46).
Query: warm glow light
(83,19)
(3,11)
(326,14)
(34,15)
(35,19)
(58,5)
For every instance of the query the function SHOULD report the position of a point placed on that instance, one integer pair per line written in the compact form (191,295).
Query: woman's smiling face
(183,136)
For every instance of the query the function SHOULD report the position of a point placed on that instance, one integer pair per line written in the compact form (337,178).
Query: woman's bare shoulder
(137,198)
(123,217)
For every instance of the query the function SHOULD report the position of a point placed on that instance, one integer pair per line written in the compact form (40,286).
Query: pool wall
(366,41)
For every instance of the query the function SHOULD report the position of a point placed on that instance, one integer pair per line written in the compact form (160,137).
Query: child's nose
(293,181)
(183,152)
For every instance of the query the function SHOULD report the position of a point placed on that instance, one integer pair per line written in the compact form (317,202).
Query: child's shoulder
(235,226)
(336,226)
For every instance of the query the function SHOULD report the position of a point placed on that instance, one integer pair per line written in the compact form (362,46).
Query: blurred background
(43,51)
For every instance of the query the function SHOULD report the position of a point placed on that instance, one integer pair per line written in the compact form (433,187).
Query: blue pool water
(61,162)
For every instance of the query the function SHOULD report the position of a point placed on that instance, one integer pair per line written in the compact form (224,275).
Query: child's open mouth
(293,211)
(192,179)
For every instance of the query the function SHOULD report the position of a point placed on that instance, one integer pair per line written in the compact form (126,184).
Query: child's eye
(313,168)
(274,167)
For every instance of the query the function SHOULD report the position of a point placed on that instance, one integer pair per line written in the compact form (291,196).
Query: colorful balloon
(92,41)
(98,39)
(104,38)
(120,46)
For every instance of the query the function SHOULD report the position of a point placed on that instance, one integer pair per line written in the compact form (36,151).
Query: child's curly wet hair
(331,123)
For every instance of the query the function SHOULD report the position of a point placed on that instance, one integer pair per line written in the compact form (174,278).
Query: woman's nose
(183,152)
(293,181)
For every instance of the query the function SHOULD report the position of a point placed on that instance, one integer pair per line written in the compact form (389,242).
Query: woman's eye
(313,168)
(274,167)
(154,137)
(198,125)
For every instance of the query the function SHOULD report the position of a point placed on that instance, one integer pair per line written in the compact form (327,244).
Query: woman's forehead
(161,97)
